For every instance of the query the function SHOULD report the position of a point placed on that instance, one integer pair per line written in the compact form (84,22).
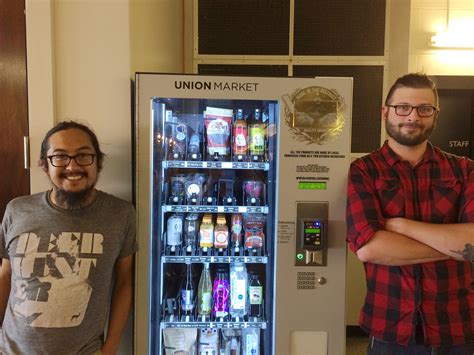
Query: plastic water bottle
(238,291)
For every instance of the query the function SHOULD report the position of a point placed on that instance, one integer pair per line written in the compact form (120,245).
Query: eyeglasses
(63,160)
(423,110)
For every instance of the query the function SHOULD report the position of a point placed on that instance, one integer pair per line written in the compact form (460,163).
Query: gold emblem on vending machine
(314,114)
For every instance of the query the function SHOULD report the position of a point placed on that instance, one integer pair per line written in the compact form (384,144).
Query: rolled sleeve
(363,214)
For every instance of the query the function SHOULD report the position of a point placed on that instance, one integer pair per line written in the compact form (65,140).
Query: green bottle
(257,135)
(205,292)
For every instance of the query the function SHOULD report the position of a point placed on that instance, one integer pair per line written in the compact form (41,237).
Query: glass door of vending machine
(212,232)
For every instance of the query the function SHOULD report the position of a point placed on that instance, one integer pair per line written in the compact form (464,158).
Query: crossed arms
(405,241)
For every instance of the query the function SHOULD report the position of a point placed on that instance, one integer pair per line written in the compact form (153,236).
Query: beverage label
(206,302)
(187,300)
(206,234)
(177,185)
(221,298)
(255,294)
(238,294)
(240,139)
(257,140)
(220,237)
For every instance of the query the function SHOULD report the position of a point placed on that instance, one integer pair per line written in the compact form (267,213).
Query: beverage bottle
(193,147)
(187,294)
(205,292)
(191,230)
(221,233)
(239,134)
(238,291)
(236,230)
(255,297)
(206,232)
(257,135)
(220,294)
(180,141)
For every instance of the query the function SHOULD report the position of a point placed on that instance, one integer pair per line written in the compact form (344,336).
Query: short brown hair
(415,81)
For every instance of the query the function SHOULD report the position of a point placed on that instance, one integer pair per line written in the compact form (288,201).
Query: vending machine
(240,191)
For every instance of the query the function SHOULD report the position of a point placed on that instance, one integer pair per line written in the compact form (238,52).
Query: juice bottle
(239,134)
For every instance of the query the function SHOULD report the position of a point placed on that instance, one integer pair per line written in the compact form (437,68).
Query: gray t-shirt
(62,270)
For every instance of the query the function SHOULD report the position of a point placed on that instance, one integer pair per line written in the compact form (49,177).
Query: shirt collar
(392,158)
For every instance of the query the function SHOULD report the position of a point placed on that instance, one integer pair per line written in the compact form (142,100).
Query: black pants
(377,347)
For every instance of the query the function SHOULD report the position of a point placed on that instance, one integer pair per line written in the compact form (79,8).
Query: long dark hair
(65,125)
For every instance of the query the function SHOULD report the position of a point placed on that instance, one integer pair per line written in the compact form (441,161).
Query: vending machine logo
(314,115)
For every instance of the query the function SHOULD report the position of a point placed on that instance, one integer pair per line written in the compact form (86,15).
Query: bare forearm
(449,239)
(389,248)
(122,299)
(119,313)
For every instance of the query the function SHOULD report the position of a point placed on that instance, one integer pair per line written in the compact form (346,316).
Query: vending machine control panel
(313,238)
(311,233)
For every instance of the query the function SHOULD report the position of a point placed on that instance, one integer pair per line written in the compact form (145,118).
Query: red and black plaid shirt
(440,189)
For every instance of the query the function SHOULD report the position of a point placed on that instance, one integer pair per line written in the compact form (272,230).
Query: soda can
(174,230)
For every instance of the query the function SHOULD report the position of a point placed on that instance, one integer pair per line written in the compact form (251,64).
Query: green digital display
(312,185)
(312,230)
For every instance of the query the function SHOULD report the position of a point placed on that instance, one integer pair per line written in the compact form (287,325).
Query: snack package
(218,123)
(251,341)
(231,341)
(209,341)
(254,225)
(180,341)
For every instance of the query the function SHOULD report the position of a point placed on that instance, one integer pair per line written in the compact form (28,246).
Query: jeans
(377,347)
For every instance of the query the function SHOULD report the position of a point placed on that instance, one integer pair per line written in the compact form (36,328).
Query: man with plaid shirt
(410,220)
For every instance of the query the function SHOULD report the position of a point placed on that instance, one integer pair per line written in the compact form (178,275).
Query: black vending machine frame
(158,161)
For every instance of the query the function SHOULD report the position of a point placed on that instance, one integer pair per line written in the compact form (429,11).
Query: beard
(74,199)
(409,140)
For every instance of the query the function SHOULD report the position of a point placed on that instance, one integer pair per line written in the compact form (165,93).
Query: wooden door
(15,179)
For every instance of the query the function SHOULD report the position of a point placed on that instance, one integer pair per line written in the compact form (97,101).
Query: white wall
(429,16)
(82,55)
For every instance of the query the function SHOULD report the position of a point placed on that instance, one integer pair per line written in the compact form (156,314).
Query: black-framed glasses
(63,160)
(422,110)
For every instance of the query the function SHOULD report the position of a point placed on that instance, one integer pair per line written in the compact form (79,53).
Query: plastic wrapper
(180,341)
(251,341)
(218,125)
(254,225)
(208,341)
(231,342)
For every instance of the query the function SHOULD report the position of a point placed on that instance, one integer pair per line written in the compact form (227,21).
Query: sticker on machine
(314,115)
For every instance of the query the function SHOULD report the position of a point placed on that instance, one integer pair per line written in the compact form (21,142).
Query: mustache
(410,125)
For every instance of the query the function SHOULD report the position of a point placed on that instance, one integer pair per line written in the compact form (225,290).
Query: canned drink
(174,230)
(178,185)
(191,229)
